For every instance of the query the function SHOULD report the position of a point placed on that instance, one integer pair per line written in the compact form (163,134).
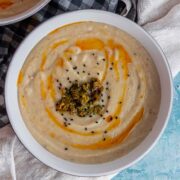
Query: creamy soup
(89,92)
(10,8)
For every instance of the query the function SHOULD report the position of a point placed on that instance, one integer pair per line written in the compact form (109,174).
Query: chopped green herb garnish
(81,98)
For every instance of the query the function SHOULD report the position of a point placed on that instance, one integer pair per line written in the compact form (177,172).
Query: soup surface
(89,92)
(10,8)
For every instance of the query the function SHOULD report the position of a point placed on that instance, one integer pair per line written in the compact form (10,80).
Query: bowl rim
(25,14)
(87,169)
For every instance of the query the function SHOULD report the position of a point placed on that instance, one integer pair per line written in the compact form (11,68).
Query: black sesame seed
(110,68)
(70,58)
(104,139)
(96,122)
(69,123)
(62,114)
(103,59)
(67,70)
(83,71)
(77,72)
(84,65)
(65,148)
(107,83)
(97,63)
(120,102)
(116,117)
(105,132)
(57,80)
(71,119)
(128,75)
(101,115)
(107,88)
(68,78)
(89,74)
(107,111)
(93,54)
(85,129)
(109,97)
(112,63)
(75,67)
(111,118)
(104,118)
(97,73)
(102,100)
(90,115)
(92,132)
(65,124)
(65,119)
(70,82)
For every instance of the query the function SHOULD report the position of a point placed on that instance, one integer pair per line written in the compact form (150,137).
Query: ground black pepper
(75,67)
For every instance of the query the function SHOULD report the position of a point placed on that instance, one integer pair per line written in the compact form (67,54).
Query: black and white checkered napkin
(12,35)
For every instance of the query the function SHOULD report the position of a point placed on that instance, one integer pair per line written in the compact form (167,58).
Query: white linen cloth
(161,18)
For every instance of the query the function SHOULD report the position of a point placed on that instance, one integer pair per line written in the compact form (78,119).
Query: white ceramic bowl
(25,14)
(12,99)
